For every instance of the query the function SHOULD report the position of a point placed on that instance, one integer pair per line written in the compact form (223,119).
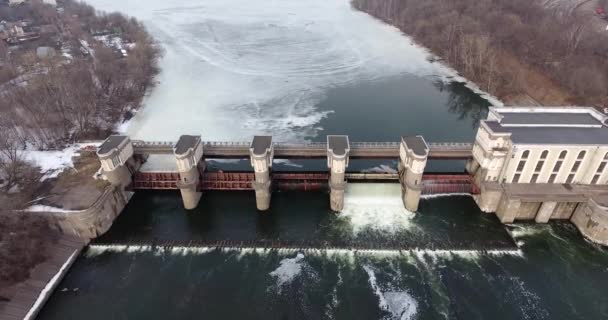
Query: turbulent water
(300,69)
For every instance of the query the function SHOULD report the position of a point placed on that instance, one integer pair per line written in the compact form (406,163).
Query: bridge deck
(314,150)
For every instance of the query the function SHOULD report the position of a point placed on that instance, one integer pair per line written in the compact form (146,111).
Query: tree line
(53,101)
(81,92)
(478,37)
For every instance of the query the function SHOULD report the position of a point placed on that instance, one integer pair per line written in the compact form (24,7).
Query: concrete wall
(527,211)
(97,219)
(564,210)
(592,221)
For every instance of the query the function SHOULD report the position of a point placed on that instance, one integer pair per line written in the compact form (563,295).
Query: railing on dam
(302,181)
(314,150)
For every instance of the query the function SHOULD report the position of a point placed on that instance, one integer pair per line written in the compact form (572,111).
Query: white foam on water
(288,163)
(443,195)
(383,168)
(522,231)
(400,304)
(288,270)
(377,207)
(471,255)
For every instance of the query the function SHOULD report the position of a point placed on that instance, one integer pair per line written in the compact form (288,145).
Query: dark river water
(300,70)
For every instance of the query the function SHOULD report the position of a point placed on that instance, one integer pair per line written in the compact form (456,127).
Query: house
(45,52)
(15,2)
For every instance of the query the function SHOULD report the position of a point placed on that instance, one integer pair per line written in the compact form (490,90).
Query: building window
(525,154)
(521,165)
(576,165)
(544,155)
(534,178)
(552,178)
(558,165)
(539,166)
(581,155)
(516,178)
(570,178)
(563,154)
(600,170)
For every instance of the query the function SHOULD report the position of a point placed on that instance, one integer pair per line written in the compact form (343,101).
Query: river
(300,70)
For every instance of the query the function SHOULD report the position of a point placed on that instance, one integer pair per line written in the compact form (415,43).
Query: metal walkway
(313,150)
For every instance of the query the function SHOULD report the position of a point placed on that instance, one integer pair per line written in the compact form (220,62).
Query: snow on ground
(41,208)
(52,163)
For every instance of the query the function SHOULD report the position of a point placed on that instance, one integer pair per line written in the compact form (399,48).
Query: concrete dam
(562,184)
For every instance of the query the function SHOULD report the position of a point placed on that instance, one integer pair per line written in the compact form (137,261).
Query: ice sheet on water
(237,68)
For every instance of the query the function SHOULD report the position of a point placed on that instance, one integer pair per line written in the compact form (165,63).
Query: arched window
(581,155)
(600,170)
(563,154)
(544,155)
(525,154)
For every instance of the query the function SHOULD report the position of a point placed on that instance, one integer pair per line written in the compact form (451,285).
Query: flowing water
(301,69)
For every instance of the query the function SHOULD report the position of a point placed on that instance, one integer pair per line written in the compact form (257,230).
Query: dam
(570,187)
(299,71)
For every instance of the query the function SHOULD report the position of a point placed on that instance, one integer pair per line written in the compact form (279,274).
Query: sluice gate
(122,158)
(301,181)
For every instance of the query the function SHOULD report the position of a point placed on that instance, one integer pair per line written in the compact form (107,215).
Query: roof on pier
(417,144)
(261,144)
(550,125)
(111,143)
(339,145)
(185,143)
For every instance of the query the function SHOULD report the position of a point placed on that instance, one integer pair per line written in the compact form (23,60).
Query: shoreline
(30,295)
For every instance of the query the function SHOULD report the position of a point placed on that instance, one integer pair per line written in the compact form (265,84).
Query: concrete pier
(413,153)
(545,211)
(188,154)
(338,148)
(261,153)
(114,154)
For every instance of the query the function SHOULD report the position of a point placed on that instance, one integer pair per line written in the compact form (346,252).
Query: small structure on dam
(188,154)
(114,154)
(338,148)
(413,153)
(262,154)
